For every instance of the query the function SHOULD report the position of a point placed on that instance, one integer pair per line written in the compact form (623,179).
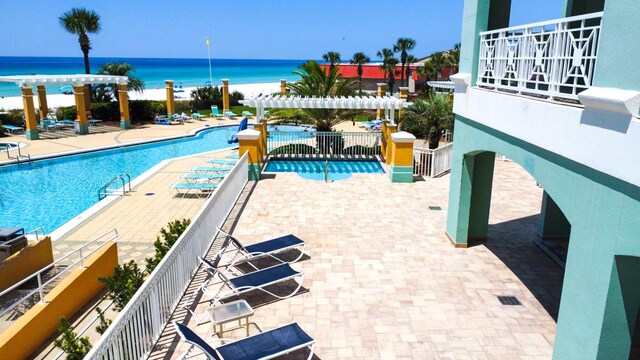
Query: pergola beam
(77,79)
(342,102)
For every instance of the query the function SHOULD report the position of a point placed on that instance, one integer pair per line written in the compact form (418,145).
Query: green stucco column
(553,224)
(481,166)
(619,53)
(478,16)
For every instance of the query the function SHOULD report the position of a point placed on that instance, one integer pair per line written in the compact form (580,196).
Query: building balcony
(554,59)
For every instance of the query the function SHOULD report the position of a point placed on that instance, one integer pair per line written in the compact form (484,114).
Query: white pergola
(76,79)
(388,103)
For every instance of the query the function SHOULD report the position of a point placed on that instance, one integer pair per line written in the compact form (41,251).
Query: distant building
(372,74)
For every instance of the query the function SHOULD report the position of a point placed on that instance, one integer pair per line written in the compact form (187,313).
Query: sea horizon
(186,72)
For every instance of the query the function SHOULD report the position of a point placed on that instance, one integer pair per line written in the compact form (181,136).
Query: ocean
(185,72)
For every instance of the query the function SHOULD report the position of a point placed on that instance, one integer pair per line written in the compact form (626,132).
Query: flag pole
(209,51)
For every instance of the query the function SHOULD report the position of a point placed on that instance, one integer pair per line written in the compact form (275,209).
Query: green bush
(183,106)
(145,110)
(68,112)
(291,148)
(103,323)
(109,111)
(124,283)
(169,237)
(235,97)
(12,117)
(74,346)
(361,149)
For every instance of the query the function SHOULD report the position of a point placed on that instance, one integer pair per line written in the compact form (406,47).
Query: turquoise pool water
(49,193)
(315,169)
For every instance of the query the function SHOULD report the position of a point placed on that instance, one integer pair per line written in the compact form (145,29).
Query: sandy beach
(55,100)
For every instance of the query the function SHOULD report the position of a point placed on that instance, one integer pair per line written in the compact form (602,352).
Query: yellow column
(264,137)
(258,127)
(171,106)
(225,95)
(283,86)
(391,129)
(87,97)
(383,145)
(401,169)
(249,141)
(81,126)
(42,101)
(123,97)
(381,93)
(404,96)
(30,113)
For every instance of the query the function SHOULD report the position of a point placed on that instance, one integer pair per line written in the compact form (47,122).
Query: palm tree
(359,59)
(332,57)
(454,59)
(314,81)
(410,60)
(428,118)
(81,21)
(392,63)
(122,69)
(404,45)
(385,54)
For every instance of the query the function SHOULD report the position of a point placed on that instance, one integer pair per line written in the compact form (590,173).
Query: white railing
(432,162)
(323,144)
(136,329)
(554,58)
(45,285)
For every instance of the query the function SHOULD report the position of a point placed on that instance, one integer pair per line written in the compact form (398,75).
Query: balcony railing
(554,58)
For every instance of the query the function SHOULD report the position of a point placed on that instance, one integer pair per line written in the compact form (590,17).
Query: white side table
(224,313)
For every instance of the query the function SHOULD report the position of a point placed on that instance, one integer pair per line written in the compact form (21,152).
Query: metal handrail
(35,232)
(103,193)
(17,158)
(38,274)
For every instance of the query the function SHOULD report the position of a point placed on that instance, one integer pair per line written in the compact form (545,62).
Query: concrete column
(125,122)
(404,96)
(553,223)
(581,7)
(87,97)
(32,132)
(42,101)
(471,183)
(401,169)
(249,141)
(391,129)
(81,126)
(381,93)
(283,86)
(225,95)
(171,105)
(264,137)
(383,140)
(258,127)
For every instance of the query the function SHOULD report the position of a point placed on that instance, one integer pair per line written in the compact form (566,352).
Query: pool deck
(383,282)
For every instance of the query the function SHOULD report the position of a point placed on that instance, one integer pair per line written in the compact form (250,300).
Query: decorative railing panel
(138,326)
(432,162)
(554,58)
(323,144)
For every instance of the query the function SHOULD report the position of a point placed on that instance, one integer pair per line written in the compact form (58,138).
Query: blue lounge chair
(10,129)
(257,280)
(233,156)
(230,114)
(206,177)
(243,126)
(247,113)
(265,248)
(266,345)
(221,161)
(215,112)
(196,115)
(211,169)
(185,188)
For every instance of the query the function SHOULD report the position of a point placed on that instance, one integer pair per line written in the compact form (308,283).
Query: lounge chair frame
(246,255)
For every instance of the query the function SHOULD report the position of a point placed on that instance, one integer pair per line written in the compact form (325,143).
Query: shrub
(183,106)
(169,237)
(145,110)
(235,97)
(124,283)
(361,149)
(294,148)
(205,96)
(67,112)
(74,346)
(12,117)
(103,324)
(109,111)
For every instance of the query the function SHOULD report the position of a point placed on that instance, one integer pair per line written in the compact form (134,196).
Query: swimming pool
(315,169)
(50,192)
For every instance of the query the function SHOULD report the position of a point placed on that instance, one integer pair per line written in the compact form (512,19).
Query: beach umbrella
(66,89)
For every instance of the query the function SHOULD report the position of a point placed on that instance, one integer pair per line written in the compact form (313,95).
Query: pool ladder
(126,186)
(19,156)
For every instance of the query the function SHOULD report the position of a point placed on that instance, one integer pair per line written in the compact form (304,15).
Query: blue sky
(251,29)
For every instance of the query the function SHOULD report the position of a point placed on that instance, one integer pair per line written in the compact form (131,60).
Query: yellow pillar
(81,126)
(87,97)
(381,93)
(264,137)
(401,169)
(125,122)
(391,129)
(404,96)
(249,141)
(225,95)
(383,145)
(283,86)
(42,101)
(261,149)
(171,106)
(30,114)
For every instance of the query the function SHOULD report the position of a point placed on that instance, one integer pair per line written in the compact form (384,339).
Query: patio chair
(265,248)
(256,280)
(230,114)
(203,176)
(10,129)
(215,112)
(196,115)
(221,162)
(247,113)
(265,345)
(185,188)
(211,168)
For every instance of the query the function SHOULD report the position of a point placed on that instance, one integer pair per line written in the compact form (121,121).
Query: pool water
(315,169)
(50,192)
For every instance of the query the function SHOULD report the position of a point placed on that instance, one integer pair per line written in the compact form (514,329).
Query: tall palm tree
(454,58)
(314,81)
(428,118)
(392,63)
(80,21)
(332,57)
(122,69)
(359,58)
(410,60)
(404,45)
(385,54)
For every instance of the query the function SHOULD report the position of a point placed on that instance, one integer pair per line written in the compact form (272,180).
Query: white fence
(554,58)
(323,144)
(432,162)
(138,326)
